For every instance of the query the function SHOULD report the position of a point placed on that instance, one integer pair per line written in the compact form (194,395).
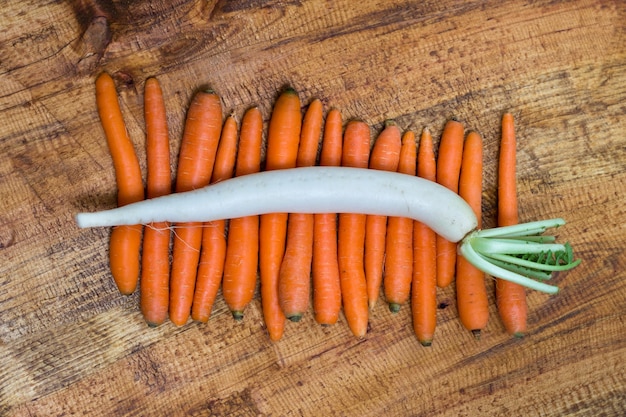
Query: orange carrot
(155,260)
(510,297)
(351,236)
(424,286)
(125,241)
(325,267)
(294,281)
(242,251)
(282,150)
(195,165)
(213,254)
(399,244)
(310,134)
(448,169)
(384,156)
(471,292)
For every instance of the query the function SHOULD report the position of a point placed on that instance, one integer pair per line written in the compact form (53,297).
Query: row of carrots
(340,262)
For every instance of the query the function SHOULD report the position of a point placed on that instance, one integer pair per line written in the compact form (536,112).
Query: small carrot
(294,281)
(399,243)
(384,156)
(213,253)
(283,137)
(510,297)
(196,158)
(325,267)
(155,259)
(351,236)
(448,169)
(424,286)
(242,251)
(125,241)
(471,292)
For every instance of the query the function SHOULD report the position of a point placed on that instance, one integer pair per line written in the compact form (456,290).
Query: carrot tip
(426,343)
(237,315)
(518,335)
(295,317)
(476,333)
(200,319)
(394,307)
(152,325)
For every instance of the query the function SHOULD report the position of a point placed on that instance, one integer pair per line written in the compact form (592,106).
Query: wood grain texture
(70,344)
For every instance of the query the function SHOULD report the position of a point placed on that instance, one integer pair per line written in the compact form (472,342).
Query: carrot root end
(295,317)
(394,307)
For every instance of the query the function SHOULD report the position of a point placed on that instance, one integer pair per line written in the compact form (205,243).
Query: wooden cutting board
(71,345)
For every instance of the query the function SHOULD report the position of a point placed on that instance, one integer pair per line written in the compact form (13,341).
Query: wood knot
(7,237)
(92,44)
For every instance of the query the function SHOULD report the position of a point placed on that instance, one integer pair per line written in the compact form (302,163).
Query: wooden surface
(71,345)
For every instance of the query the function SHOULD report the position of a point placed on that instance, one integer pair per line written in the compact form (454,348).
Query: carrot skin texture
(124,249)
(185,259)
(159,176)
(242,251)
(510,297)
(155,267)
(282,151)
(325,270)
(213,253)
(294,285)
(310,134)
(294,282)
(508,213)
(125,241)
(448,170)
(351,236)
(195,165)
(325,266)
(399,244)
(385,155)
(424,285)
(210,269)
(471,291)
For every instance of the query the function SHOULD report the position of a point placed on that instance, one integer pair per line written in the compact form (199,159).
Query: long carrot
(155,259)
(448,169)
(399,243)
(385,156)
(294,281)
(213,254)
(195,166)
(510,297)
(242,251)
(471,292)
(424,286)
(283,137)
(351,236)
(125,241)
(325,266)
